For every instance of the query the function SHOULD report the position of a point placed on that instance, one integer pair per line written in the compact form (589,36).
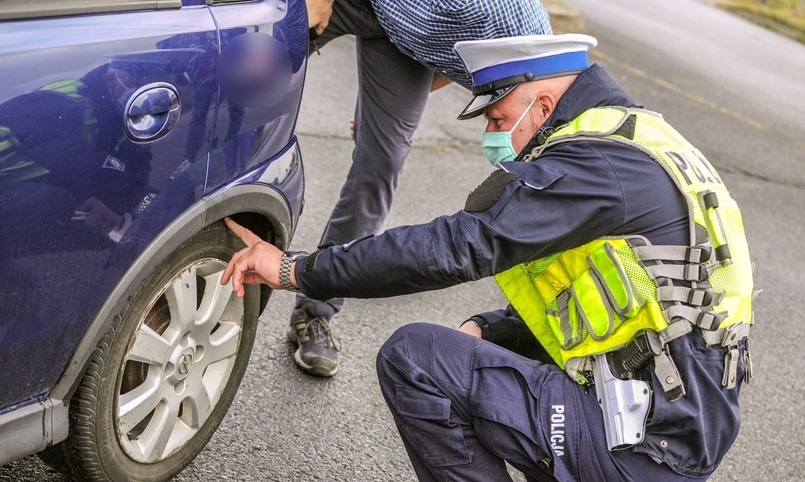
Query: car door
(105,107)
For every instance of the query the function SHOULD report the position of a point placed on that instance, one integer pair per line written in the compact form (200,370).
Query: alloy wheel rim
(178,364)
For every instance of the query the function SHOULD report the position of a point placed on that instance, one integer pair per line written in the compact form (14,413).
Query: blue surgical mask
(498,145)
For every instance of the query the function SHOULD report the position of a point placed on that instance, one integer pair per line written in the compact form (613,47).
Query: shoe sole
(313,369)
(319,371)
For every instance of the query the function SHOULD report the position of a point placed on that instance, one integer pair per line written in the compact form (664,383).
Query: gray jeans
(392,92)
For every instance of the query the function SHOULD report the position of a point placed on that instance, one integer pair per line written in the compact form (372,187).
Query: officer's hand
(471,328)
(318,14)
(439,81)
(258,262)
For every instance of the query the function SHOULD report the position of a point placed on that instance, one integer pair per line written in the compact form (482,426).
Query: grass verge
(786,17)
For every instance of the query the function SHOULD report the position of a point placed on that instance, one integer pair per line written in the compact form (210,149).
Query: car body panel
(262,45)
(66,162)
(60,110)
(258,42)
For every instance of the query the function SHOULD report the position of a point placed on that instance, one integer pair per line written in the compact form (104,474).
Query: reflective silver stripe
(631,295)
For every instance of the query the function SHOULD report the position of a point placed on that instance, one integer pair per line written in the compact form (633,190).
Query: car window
(22,9)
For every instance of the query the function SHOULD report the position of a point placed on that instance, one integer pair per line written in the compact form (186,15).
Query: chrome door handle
(152,111)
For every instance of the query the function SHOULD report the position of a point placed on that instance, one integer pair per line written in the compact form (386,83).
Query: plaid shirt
(426,30)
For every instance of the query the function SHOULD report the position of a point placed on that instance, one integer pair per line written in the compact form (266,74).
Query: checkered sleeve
(427,30)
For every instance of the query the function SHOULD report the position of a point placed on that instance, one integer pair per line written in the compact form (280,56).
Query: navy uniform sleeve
(540,208)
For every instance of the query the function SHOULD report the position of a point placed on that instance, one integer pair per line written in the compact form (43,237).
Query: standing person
(400,44)
(625,262)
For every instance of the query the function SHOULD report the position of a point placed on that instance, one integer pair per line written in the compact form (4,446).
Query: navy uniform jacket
(574,193)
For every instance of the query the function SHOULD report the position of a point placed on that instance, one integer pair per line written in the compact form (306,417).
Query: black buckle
(698,254)
(700,298)
(634,356)
(489,87)
(695,272)
(710,199)
(707,320)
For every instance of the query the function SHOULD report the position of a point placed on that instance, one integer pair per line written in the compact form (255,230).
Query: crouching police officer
(624,259)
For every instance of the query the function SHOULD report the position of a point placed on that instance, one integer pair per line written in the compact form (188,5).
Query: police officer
(625,262)
(400,44)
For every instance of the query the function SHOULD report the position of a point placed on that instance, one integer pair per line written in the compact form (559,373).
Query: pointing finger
(230,267)
(244,234)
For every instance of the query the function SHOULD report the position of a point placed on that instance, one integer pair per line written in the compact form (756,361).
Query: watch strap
(286,264)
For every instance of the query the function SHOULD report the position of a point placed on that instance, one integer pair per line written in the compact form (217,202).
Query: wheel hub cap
(185,364)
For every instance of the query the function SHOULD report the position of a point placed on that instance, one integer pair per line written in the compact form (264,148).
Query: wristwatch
(286,263)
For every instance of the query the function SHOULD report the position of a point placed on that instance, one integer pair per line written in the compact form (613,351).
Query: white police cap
(497,66)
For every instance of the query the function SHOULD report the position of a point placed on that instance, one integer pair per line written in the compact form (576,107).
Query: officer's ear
(545,104)
(549,93)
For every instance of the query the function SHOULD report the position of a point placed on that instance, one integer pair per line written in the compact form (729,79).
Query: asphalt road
(735,90)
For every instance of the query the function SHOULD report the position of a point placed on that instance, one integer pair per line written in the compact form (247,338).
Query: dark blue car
(128,130)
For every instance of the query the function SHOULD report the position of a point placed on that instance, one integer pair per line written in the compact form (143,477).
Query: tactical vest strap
(688,254)
(706,320)
(690,296)
(681,272)
(729,336)
(664,366)
(674,331)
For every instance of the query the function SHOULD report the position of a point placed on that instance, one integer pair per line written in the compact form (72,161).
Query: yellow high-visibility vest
(595,298)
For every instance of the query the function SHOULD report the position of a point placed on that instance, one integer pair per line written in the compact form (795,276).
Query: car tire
(164,375)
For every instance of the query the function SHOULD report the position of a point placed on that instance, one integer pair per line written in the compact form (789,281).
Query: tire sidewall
(94,439)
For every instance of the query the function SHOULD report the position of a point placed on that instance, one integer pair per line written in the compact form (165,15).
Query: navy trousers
(463,406)
(393,90)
